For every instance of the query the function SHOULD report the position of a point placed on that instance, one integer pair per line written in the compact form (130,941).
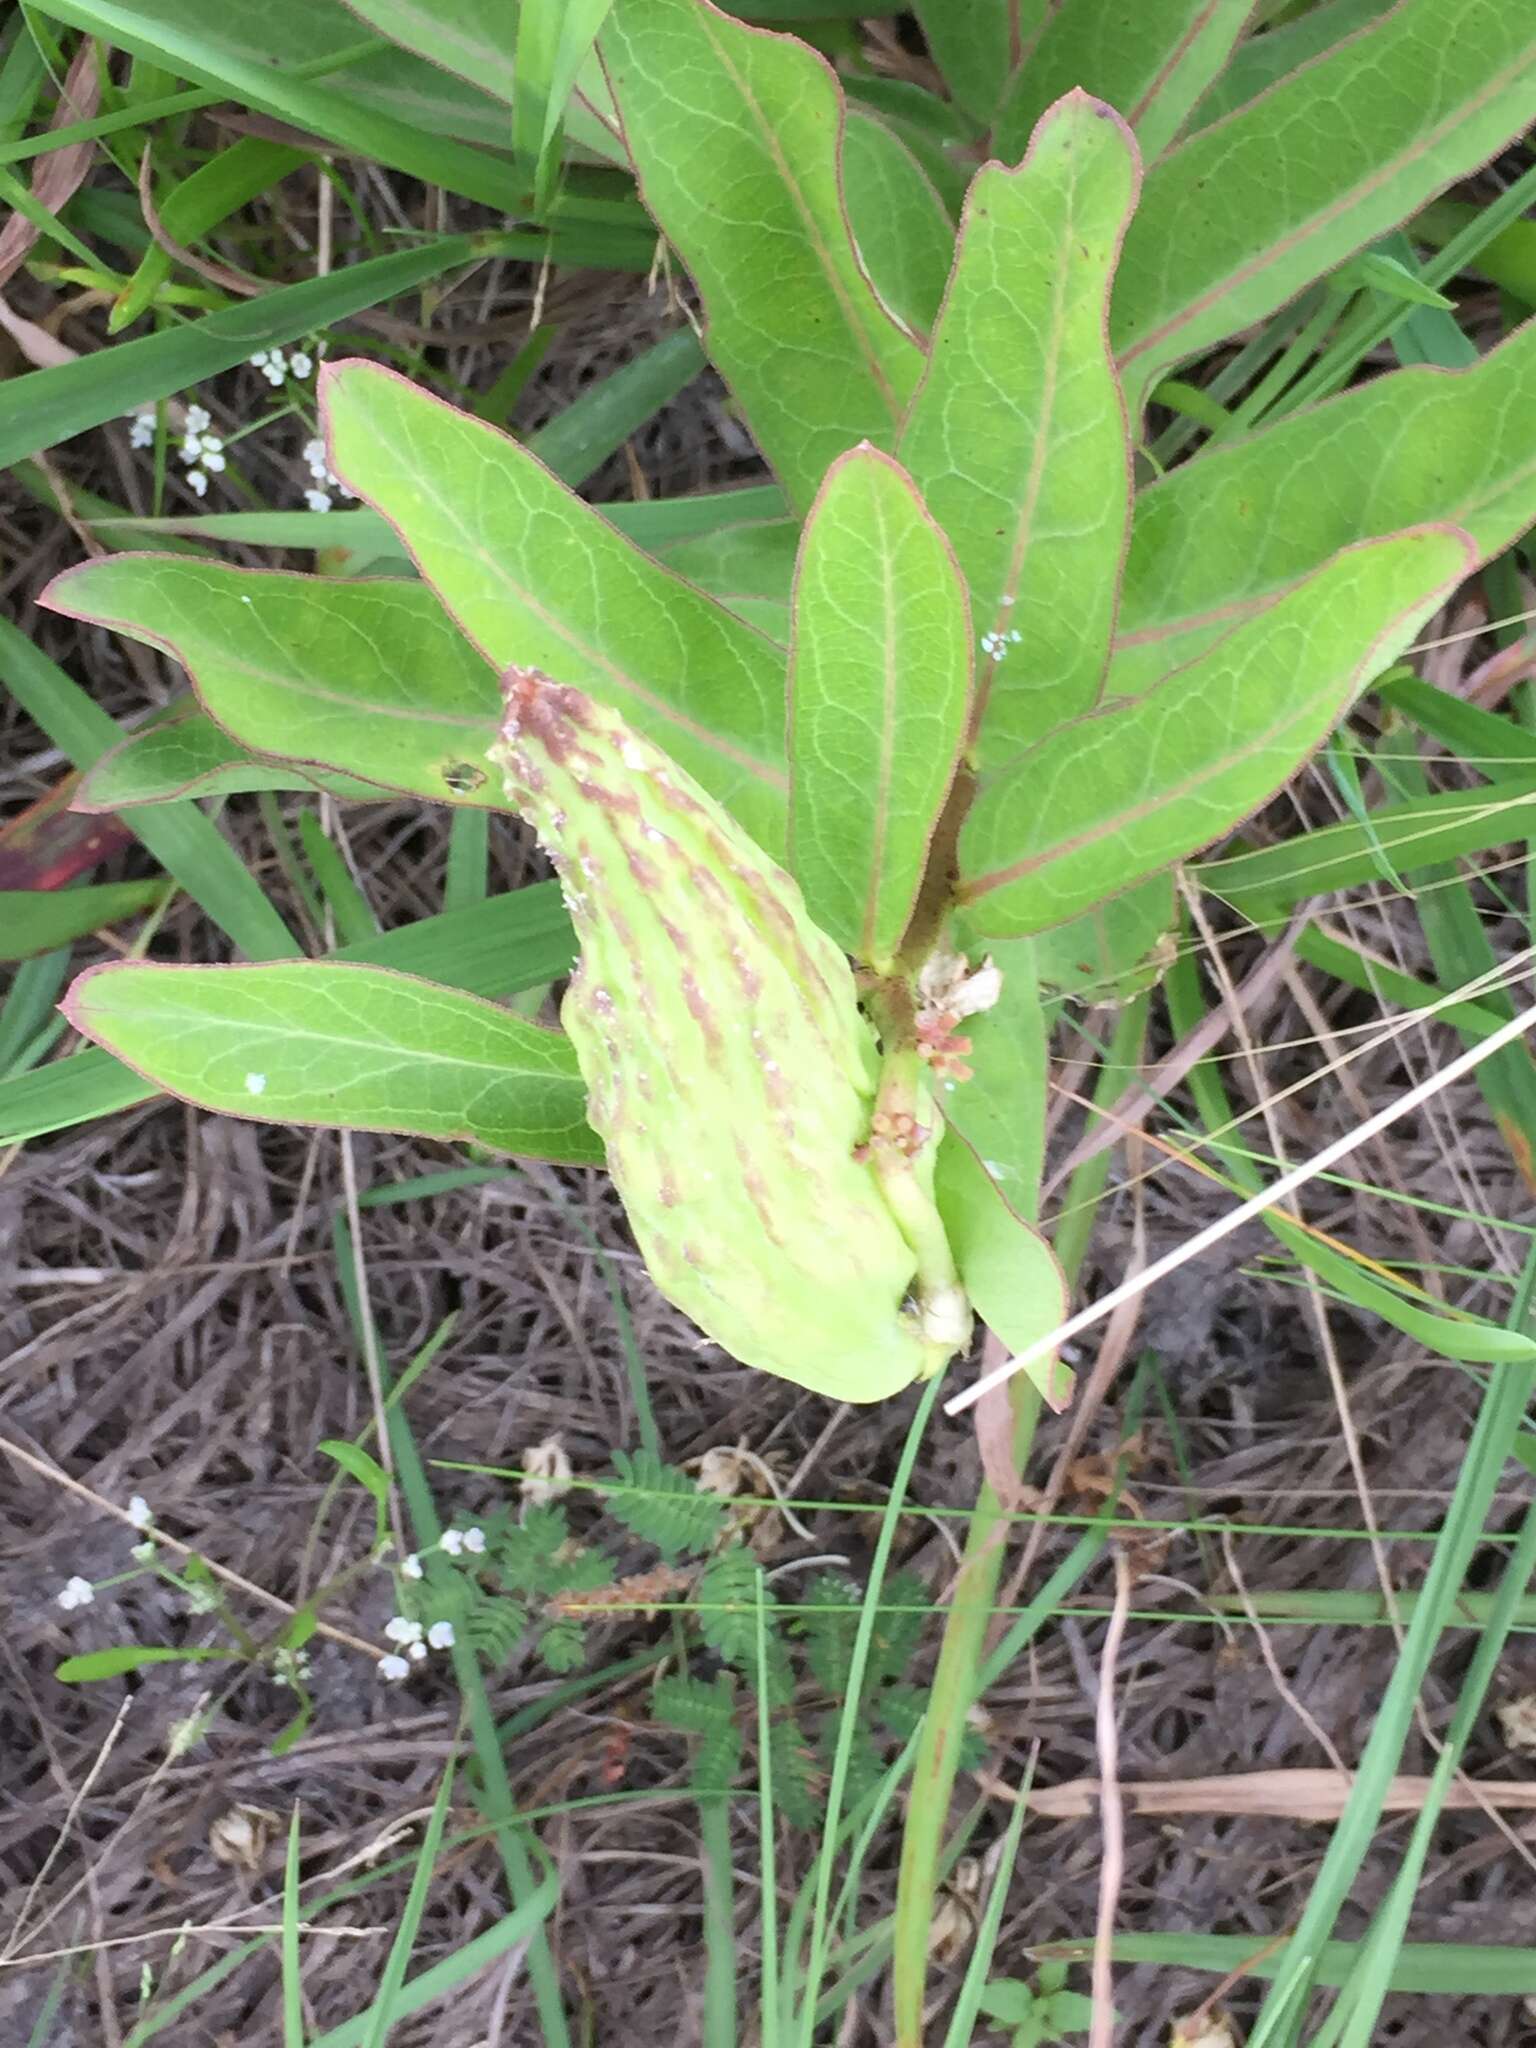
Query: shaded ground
(173,1325)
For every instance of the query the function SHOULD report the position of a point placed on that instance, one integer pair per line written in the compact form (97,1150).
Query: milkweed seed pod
(729,1069)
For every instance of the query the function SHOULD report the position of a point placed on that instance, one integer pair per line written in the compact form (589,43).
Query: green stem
(904,1138)
(955,1684)
(938,1756)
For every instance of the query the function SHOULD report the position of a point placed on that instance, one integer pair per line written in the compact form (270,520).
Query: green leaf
(1017,439)
(1417,445)
(1362,138)
(880,689)
(1101,804)
(505,944)
(978,45)
(185,754)
(1113,951)
(1261,59)
(742,175)
(536,578)
(48,406)
(368,1472)
(37,920)
(1000,1110)
(342,1045)
(367,677)
(126,1657)
(753,559)
(1006,1266)
(1149,63)
(900,225)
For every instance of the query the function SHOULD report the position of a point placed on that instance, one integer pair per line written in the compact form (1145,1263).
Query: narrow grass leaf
(742,176)
(39,920)
(383,2014)
(342,1044)
(1017,438)
(1427,829)
(293,1989)
(244,170)
(554,42)
(48,406)
(189,846)
(880,698)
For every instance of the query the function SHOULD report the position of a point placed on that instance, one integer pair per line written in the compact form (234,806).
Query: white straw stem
(1224,1226)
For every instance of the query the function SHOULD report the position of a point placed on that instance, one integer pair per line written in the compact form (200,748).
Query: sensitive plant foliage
(543,1575)
(956,728)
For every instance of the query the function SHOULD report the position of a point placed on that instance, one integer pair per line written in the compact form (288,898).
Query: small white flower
(440,1635)
(1015,636)
(213,452)
(191,447)
(474,1539)
(416,1652)
(77,1593)
(318,501)
(410,1567)
(138,1512)
(142,433)
(300,364)
(199,419)
(394,1669)
(197,482)
(453,1542)
(401,1629)
(275,368)
(261,358)
(143,1553)
(255,1083)
(314,455)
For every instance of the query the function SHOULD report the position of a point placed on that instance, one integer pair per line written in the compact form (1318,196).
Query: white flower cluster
(414,1639)
(415,1642)
(202,452)
(78,1592)
(997,644)
(142,433)
(276,367)
(318,496)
